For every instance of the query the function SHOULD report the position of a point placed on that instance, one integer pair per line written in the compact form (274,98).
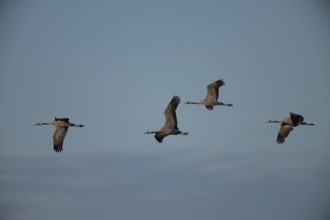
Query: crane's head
(41,123)
(273,121)
(150,132)
(190,102)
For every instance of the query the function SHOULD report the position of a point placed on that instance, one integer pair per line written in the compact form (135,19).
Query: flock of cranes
(171,123)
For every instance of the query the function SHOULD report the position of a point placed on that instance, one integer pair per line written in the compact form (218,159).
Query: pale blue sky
(114,66)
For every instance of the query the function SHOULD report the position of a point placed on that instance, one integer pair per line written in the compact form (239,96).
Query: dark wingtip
(58,149)
(221,82)
(176,99)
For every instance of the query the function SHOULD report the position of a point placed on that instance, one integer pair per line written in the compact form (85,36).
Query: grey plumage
(62,125)
(171,125)
(212,96)
(287,125)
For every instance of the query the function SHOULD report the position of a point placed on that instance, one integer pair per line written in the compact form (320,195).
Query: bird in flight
(171,124)
(212,96)
(287,125)
(62,125)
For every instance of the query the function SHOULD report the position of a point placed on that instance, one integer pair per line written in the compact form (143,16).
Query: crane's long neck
(273,121)
(196,103)
(150,132)
(42,123)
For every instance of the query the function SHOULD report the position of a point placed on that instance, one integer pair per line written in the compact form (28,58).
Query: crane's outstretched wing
(283,133)
(296,119)
(58,138)
(170,115)
(213,90)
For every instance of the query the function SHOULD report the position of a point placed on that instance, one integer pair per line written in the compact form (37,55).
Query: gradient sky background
(115,65)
